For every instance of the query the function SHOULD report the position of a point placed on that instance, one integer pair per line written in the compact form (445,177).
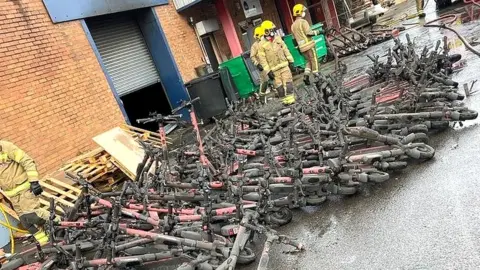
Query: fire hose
(449,19)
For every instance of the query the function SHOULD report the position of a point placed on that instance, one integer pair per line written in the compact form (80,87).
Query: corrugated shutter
(124,52)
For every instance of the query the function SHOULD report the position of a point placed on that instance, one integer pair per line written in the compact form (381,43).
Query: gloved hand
(290,66)
(271,76)
(35,188)
(260,68)
(316,33)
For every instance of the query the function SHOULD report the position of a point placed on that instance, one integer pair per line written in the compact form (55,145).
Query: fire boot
(420,12)
(290,88)
(41,237)
(306,79)
(290,97)
(33,223)
(281,91)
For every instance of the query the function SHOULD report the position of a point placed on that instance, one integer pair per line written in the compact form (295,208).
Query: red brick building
(59,86)
(54,95)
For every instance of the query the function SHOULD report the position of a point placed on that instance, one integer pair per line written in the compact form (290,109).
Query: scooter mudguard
(33,266)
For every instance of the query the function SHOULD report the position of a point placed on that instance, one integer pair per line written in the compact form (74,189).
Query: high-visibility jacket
(302,33)
(16,167)
(274,55)
(254,52)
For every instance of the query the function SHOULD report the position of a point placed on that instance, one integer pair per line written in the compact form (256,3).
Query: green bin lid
(317,26)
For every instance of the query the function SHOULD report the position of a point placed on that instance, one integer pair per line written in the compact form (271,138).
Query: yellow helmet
(259,32)
(268,25)
(298,9)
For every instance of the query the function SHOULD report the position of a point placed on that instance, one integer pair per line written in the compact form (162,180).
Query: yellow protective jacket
(301,32)
(16,166)
(254,52)
(274,55)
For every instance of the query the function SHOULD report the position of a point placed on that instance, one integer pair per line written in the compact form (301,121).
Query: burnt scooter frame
(203,158)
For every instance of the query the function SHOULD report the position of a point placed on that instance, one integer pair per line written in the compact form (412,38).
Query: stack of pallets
(65,192)
(98,167)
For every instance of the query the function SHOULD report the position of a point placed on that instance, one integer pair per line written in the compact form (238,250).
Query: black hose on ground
(450,19)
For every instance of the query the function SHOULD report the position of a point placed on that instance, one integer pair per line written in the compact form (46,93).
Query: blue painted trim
(189,5)
(69,10)
(107,76)
(163,58)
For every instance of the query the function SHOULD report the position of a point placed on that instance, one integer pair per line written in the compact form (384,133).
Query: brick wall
(205,11)
(271,13)
(182,40)
(53,94)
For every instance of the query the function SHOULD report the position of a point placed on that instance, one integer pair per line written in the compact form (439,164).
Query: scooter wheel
(246,256)
(346,190)
(281,217)
(424,151)
(316,200)
(427,152)
(468,115)
(378,177)
(418,129)
(415,138)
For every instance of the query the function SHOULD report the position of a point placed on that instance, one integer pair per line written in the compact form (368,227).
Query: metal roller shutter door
(124,52)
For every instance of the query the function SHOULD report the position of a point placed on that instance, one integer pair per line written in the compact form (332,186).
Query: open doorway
(141,103)
(209,46)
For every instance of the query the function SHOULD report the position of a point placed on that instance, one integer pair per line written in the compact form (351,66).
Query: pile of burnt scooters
(346,41)
(202,205)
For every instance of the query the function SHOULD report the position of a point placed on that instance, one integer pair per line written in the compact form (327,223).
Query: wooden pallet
(144,135)
(95,166)
(64,192)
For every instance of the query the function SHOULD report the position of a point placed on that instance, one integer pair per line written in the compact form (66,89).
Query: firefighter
(276,62)
(420,6)
(20,186)
(303,38)
(258,35)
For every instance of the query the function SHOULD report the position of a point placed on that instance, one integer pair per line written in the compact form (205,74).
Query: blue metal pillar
(163,58)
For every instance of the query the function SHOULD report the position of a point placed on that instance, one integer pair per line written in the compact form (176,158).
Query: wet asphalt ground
(426,217)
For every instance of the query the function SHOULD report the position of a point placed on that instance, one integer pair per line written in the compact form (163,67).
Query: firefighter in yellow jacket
(19,184)
(258,35)
(303,37)
(276,61)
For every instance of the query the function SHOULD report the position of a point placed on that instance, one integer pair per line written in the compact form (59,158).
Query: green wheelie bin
(298,59)
(320,45)
(241,76)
